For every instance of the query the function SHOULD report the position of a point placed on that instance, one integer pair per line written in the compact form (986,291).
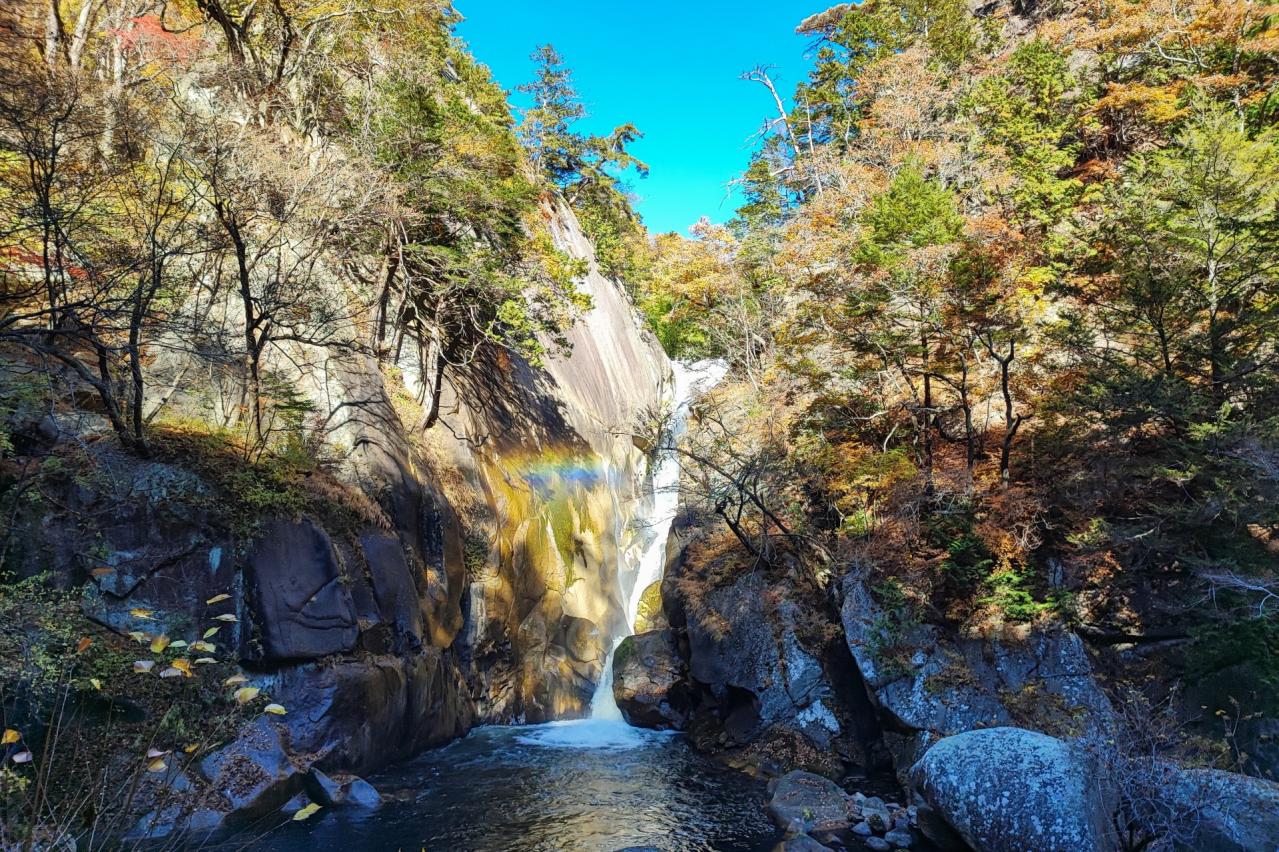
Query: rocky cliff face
(420,584)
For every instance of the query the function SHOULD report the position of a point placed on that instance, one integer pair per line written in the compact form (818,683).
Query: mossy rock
(650,615)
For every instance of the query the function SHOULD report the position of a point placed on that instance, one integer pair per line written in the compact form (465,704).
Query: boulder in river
(811,802)
(650,681)
(1009,790)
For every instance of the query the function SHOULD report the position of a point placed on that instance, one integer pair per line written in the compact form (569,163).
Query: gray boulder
(810,801)
(1010,790)
(254,774)
(1227,812)
(928,684)
(800,843)
(649,677)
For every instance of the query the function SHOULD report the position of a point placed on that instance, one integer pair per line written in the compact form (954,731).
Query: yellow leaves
(190,749)
(204,661)
(95,683)
(143,666)
(217,599)
(228,617)
(10,737)
(183,665)
(144,614)
(211,631)
(158,644)
(235,679)
(157,765)
(139,637)
(306,812)
(274,709)
(204,647)
(245,694)
(1157,105)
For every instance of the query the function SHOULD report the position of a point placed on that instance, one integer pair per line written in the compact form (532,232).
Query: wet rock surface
(650,681)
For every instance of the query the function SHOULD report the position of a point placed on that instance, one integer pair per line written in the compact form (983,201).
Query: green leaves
(915,212)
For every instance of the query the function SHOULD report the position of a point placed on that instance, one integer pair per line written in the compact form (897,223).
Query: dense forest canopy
(1004,297)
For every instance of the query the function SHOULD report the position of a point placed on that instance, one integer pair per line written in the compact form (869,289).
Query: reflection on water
(591,786)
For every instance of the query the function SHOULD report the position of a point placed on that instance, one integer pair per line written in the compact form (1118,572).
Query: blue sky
(671,68)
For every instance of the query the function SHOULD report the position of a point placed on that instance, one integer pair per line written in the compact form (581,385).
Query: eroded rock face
(650,681)
(1009,790)
(745,647)
(928,684)
(771,686)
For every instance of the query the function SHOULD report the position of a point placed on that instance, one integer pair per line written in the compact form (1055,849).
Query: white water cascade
(690,380)
(605,728)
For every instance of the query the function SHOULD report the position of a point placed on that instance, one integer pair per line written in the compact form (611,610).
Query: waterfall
(605,727)
(690,380)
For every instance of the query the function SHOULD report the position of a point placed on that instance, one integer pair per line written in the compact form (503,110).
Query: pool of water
(593,786)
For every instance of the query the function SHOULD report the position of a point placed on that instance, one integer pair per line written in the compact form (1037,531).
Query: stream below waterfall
(502,790)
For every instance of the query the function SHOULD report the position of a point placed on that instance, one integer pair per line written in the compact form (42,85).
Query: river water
(505,790)
(594,785)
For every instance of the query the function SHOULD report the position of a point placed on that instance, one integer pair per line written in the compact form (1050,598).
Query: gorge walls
(413,584)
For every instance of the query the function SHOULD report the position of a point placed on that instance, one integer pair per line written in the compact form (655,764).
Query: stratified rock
(811,801)
(301,607)
(1228,812)
(648,677)
(1010,790)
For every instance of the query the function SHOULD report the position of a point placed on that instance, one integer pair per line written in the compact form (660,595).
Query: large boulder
(650,681)
(804,802)
(358,715)
(254,775)
(752,652)
(929,684)
(1010,790)
(1225,812)
(302,607)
